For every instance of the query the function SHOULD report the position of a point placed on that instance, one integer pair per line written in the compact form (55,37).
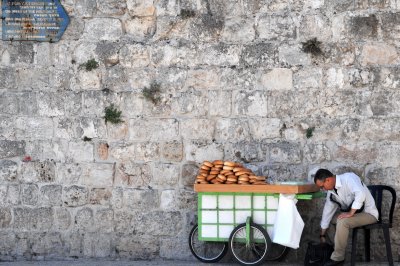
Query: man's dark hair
(322,174)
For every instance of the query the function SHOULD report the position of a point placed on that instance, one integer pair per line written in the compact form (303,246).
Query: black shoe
(333,262)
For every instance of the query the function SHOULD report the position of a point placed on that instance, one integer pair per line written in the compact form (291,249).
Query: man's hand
(345,215)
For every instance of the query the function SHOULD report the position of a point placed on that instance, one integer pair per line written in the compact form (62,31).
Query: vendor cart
(240,218)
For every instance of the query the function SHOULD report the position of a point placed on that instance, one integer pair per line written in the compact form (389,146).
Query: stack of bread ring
(226,172)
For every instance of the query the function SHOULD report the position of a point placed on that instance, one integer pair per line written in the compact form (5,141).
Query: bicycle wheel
(206,251)
(277,252)
(253,253)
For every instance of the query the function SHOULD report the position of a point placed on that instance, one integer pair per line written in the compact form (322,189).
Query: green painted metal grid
(252,210)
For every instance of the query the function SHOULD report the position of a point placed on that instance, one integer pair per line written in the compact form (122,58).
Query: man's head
(324,179)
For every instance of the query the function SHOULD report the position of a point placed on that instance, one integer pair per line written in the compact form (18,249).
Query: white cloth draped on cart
(288,223)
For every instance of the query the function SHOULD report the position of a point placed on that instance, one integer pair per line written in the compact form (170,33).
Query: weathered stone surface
(134,56)
(238,30)
(172,151)
(264,54)
(141,199)
(252,103)
(244,151)
(157,129)
(8,170)
(364,27)
(30,194)
(9,195)
(128,246)
(75,196)
(84,220)
(140,8)
(380,54)
(9,148)
(81,151)
(199,151)
(150,222)
(98,175)
(47,244)
(38,171)
(277,79)
(97,245)
(264,128)
(50,195)
(5,217)
(276,27)
(108,29)
(165,175)
(62,219)
(100,196)
(232,130)
(112,7)
(103,220)
(36,219)
(189,173)
(133,175)
(141,28)
(197,128)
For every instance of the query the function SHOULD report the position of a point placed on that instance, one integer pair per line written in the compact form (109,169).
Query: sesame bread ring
(211,177)
(214,172)
(260,178)
(215,181)
(218,166)
(202,171)
(205,167)
(230,179)
(232,176)
(237,169)
(222,177)
(202,177)
(218,162)
(215,169)
(207,163)
(244,178)
(228,163)
(242,173)
(226,167)
(228,173)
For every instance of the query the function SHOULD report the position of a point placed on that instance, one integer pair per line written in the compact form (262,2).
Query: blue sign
(33,20)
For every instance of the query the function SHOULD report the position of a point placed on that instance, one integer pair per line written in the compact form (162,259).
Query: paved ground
(150,263)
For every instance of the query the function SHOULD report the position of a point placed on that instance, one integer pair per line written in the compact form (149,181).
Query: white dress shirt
(350,191)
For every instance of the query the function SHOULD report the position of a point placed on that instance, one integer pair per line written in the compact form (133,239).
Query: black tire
(277,252)
(206,251)
(259,247)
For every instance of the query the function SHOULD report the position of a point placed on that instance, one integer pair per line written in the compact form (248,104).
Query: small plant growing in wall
(112,115)
(152,93)
(89,65)
(312,46)
(309,132)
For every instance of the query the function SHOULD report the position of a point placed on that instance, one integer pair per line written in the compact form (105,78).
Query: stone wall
(235,85)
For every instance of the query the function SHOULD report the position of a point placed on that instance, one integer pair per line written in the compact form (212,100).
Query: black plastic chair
(384,224)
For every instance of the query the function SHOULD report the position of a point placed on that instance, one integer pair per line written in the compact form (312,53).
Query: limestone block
(21,53)
(165,175)
(189,173)
(146,151)
(8,170)
(134,56)
(72,103)
(9,103)
(112,7)
(84,52)
(97,245)
(232,130)
(172,151)
(174,248)
(238,30)
(202,150)
(109,29)
(253,103)
(278,79)
(307,78)
(244,151)
(121,152)
(51,195)
(145,248)
(140,8)
(9,195)
(388,155)
(260,54)
(75,196)
(390,25)
(284,152)
(315,26)
(90,80)
(264,128)
(74,30)
(140,28)
(6,126)
(276,27)
(197,128)
(220,103)
(101,153)
(8,76)
(191,102)
(117,198)
(133,174)
(84,220)
(363,4)
(125,221)
(357,152)
(203,78)
(97,175)
(47,244)
(206,27)
(10,148)
(85,8)
(38,171)
(153,129)
(68,173)
(387,78)
(33,78)
(107,52)
(131,104)
(317,153)
(103,220)
(374,174)
(218,55)
(62,219)
(141,199)
(168,200)
(34,127)
(33,219)
(80,151)
(292,55)
(29,194)
(186,199)
(150,223)
(74,242)
(382,103)
(100,196)
(335,78)
(378,54)
(364,27)
(27,103)
(50,104)
(5,218)
(380,129)
(287,172)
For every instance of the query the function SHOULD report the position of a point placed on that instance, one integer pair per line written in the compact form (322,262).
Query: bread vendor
(348,194)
